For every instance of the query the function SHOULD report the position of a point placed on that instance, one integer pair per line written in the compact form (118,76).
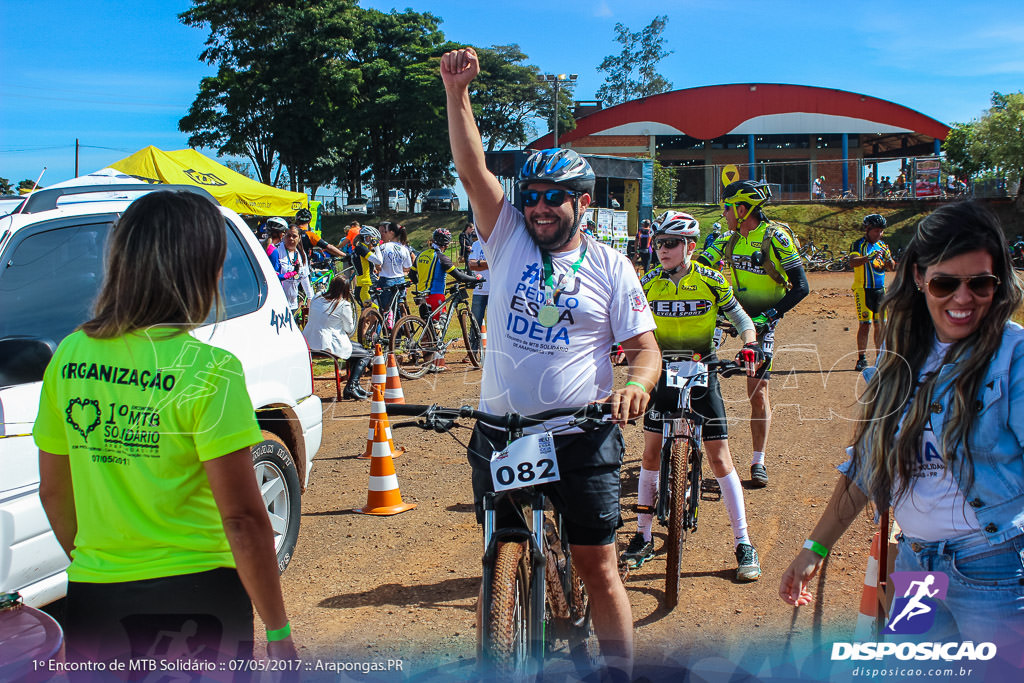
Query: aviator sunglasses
(668,243)
(942,286)
(553,197)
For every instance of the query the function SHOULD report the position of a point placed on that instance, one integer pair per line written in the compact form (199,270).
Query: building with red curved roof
(756,125)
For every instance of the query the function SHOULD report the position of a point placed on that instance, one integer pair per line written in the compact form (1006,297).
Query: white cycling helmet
(677,224)
(277,224)
(370,235)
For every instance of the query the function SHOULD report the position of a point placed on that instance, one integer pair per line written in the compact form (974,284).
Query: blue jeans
(479,307)
(387,295)
(985,599)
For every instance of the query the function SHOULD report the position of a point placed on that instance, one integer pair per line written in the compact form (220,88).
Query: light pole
(557,80)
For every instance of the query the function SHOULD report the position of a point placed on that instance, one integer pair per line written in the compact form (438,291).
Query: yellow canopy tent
(233,190)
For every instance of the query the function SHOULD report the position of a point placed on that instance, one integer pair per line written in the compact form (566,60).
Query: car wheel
(280,488)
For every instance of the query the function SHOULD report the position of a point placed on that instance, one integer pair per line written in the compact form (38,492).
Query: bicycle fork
(670,429)
(536,604)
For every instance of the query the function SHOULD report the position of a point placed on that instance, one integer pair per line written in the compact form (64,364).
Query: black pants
(205,616)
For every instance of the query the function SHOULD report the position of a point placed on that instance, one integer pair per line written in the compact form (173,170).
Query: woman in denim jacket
(940,437)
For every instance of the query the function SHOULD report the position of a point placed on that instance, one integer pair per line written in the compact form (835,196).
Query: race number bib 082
(679,373)
(528,461)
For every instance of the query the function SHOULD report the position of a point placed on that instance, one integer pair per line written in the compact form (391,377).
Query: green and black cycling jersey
(686,313)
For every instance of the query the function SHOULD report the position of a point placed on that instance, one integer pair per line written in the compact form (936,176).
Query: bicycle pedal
(710,490)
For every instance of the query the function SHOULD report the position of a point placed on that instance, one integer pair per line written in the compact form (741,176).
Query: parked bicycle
(532,597)
(814,258)
(839,264)
(418,345)
(375,325)
(681,483)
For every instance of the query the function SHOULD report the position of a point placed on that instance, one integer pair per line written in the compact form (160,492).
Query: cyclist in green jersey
(685,298)
(768,279)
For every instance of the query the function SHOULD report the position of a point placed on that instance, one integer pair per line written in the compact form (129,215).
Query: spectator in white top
(327,330)
(478,264)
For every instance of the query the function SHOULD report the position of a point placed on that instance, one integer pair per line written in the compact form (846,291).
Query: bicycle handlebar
(441,419)
(725,368)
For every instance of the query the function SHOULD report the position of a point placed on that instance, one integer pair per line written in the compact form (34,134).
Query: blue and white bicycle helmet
(559,166)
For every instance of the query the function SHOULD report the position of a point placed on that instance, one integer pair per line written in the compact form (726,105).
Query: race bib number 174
(528,461)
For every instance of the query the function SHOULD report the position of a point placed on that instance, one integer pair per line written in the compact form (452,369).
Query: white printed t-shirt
(530,368)
(476,253)
(933,508)
(395,258)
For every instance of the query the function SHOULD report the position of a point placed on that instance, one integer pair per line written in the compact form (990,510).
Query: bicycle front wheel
(370,329)
(472,338)
(506,641)
(412,342)
(680,492)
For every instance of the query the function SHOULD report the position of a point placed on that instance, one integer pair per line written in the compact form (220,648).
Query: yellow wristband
(637,384)
(279,634)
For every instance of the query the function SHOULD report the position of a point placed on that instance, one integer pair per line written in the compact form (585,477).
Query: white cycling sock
(645,496)
(757,458)
(732,496)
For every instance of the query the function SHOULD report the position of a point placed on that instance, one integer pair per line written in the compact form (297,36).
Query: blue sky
(118,75)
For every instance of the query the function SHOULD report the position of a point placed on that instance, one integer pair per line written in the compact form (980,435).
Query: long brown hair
(880,456)
(165,255)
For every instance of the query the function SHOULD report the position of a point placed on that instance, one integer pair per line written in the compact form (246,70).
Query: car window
(51,276)
(240,290)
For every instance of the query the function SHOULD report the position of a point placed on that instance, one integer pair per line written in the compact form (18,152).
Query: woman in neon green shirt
(146,475)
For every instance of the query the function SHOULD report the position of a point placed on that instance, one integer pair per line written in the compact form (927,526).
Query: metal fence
(835,180)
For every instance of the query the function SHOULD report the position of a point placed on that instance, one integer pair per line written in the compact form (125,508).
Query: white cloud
(603,10)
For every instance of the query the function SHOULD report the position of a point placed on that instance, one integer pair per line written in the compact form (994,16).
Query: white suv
(397,201)
(51,269)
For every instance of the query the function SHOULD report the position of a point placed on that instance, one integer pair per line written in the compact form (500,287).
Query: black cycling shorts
(705,401)
(767,341)
(587,495)
(203,616)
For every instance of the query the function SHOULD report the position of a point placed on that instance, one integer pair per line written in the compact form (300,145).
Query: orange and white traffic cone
(378,414)
(379,373)
(393,386)
(383,496)
(867,618)
(483,334)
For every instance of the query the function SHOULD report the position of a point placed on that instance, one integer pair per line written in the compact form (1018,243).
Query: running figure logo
(914,613)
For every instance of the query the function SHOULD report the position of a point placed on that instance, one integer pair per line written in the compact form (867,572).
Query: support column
(846,162)
(751,158)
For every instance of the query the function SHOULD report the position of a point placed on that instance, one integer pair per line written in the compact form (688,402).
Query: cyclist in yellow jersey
(685,298)
(768,279)
(365,256)
(869,257)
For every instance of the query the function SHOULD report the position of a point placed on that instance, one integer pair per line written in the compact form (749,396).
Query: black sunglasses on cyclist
(668,243)
(555,197)
(942,286)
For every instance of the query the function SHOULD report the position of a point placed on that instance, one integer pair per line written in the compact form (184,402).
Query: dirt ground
(373,589)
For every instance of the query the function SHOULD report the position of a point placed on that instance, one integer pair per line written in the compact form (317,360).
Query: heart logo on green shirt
(83,405)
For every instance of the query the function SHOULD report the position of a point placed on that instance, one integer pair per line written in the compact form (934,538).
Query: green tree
(239,167)
(28,184)
(633,72)
(993,143)
(401,105)
(506,96)
(5,186)
(665,184)
(284,77)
